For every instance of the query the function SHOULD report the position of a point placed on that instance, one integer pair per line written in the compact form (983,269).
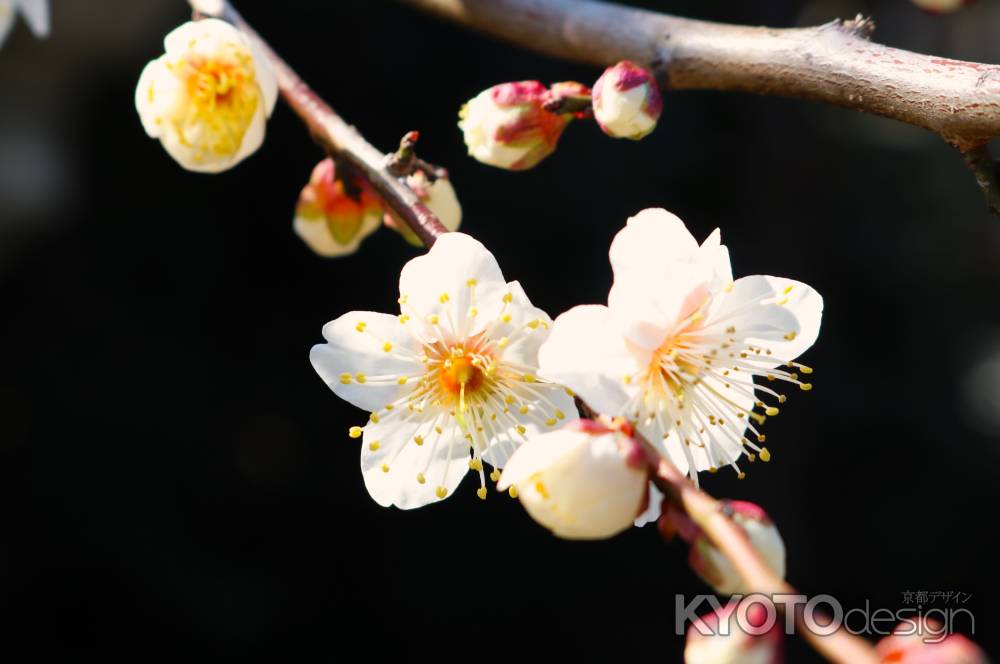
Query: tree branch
(339,139)
(345,143)
(832,63)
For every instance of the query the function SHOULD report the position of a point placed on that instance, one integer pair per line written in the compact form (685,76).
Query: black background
(179,482)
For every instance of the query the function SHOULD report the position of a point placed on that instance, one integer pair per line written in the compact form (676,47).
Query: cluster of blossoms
(35,13)
(675,354)
(517,125)
(207,100)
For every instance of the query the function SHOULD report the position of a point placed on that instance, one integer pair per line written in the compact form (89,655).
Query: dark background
(179,483)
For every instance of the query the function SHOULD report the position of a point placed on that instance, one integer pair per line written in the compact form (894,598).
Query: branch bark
(341,140)
(834,63)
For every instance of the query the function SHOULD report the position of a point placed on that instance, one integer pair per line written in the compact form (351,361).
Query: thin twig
(833,63)
(342,141)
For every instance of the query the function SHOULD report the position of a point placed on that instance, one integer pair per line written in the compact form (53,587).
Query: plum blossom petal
(586,351)
(451,382)
(681,349)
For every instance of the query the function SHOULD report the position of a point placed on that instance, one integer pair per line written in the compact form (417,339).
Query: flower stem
(341,140)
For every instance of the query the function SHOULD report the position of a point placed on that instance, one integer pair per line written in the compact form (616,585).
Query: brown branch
(342,141)
(832,63)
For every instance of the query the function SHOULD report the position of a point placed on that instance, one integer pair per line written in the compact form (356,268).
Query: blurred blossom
(207,99)
(440,198)
(332,220)
(678,347)
(35,181)
(924,641)
(35,13)
(506,126)
(451,382)
(741,633)
(627,102)
(941,6)
(584,481)
(980,389)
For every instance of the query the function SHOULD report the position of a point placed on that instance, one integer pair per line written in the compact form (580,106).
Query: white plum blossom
(208,97)
(682,351)
(35,13)
(580,482)
(451,381)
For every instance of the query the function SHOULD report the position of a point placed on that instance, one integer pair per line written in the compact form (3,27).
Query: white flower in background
(332,221)
(35,13)
(941,6)
(627,102)
(580,482)
(714,567)
(440,198)
(451,381)
(734,634)
(679,346)
(208,97)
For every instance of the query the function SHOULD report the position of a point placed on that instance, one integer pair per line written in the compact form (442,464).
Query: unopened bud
(331,219)
(439,197)
(627,102)
(578,481)
(508,127)
(715,568)
(744,633)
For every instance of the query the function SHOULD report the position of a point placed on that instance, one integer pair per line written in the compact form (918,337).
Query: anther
(355,432)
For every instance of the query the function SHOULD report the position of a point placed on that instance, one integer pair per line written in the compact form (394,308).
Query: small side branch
(987,174)
(341,140)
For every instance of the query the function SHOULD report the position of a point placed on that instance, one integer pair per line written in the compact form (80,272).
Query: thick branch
(833,63)
(343,141)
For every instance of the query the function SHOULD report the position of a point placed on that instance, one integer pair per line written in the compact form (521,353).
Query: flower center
(460,374)
(223,97)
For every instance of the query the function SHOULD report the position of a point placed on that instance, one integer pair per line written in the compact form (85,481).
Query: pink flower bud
(924,641)
(333,219)
(506,126)
(627,102)
(439,197)
(941,6)
(713,567)
(744,633)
